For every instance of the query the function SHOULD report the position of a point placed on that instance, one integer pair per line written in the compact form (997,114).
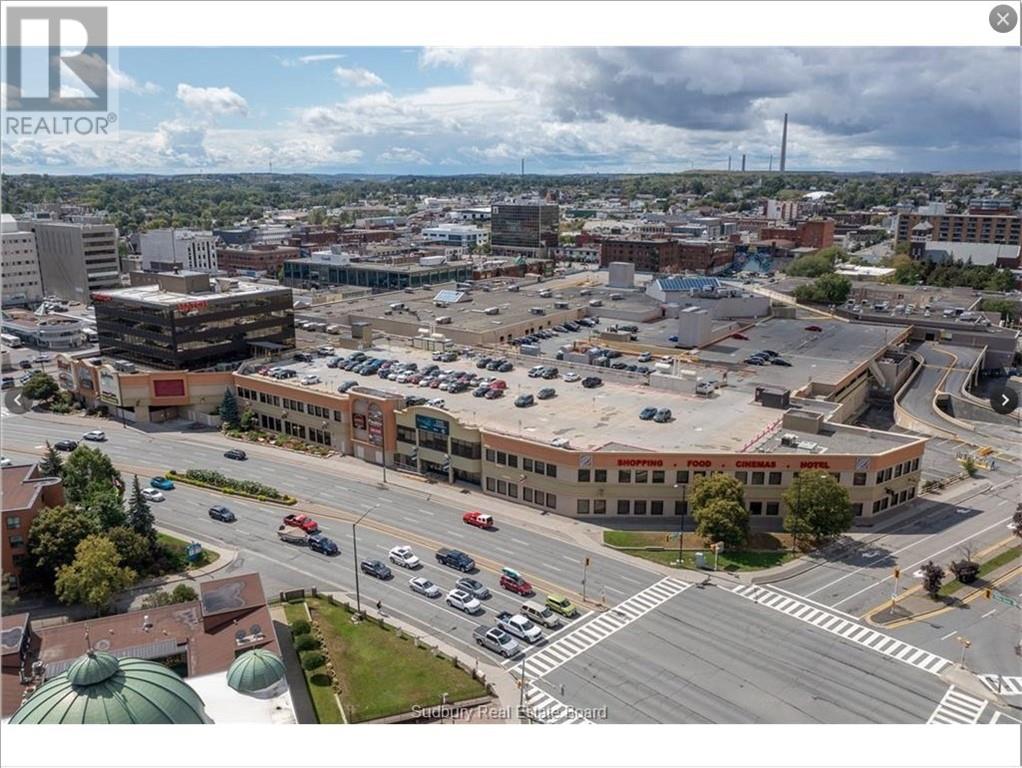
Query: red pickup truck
(304,522)
(478,519)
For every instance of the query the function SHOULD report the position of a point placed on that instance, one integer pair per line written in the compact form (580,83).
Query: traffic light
(897,573)
(587,562)
(988,593)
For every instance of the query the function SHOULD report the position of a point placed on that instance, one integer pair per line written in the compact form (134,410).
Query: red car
(739,336)
(498,384)
(304,522)
(478,519)
(814,328)
(518,585)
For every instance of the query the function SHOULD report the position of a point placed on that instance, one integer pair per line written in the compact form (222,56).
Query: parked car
(375,568)
(571,376)
(475,588)
(236,454)
(780,361)
(562,605)
(222,513)
(304,522)
(151,494)
(494,394)
(754,361)
(814,328)
(5,462)
(65,445)
(645,357)
(546,393)
(496,640)
(662,416)
(402,555)
(513,582)
(647,413)
(478,519)
(163,483)
(739,336)
(524,401)
(424,586)
(591,382)
(463,601)
(95,436)
(480,391)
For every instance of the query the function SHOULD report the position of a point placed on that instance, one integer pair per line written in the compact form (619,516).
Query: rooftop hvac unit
(491,311)
(790,440)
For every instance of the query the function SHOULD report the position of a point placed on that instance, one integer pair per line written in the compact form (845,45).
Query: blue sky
(446,111)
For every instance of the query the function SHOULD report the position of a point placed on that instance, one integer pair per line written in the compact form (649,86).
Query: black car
(375,568)
(504,367)
(546,393)
(754,361)
(345,386)
(524,401)
(591,382)
(482,362)
(65,445)
(26,364)
(222,513)
(413,400)
(550,373)
(304,357)
(235,453)
(780,361)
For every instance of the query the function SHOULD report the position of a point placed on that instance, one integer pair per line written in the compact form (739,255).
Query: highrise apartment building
(75,259)
(22,283)
(524,228)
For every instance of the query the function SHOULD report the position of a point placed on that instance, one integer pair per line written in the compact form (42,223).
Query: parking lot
(585,418)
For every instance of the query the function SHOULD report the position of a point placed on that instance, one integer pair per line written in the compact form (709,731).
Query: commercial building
(978,254)
(648,255)
(812,233)
(456,235)
(26,493)
(1000,227)
(524,228)
(22,282)
(257,258)
(46,331)
(186,321)
(75,259)
(164,250)
(324,268)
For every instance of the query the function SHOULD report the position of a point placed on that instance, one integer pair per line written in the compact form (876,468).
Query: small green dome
(255,671)
(101,689)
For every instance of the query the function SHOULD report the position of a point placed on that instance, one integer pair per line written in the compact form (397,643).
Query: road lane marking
(1010,685)
(957,707)
(817,603)
(519,541)
(552,567)
(991,612)
(949,634)
(570,559)
(541,707)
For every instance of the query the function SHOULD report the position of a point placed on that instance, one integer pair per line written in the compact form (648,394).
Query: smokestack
(523,167)
(729,163)
(771,163)
(784,142)
(743,162)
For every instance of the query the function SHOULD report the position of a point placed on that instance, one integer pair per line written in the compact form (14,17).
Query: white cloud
(122,81)
(215,101)
(358,77)
(311,59)
(403,155)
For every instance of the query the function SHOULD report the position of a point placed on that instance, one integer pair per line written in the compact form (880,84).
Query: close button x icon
(1003,18)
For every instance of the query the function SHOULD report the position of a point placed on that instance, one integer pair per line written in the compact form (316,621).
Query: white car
(95,435)
(404,557)
(571,376)
(5,462)
(424,587)
(151,494)
(310,379)
(436,402)
(463,601)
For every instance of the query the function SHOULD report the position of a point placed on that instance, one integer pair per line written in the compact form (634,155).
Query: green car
(562,605)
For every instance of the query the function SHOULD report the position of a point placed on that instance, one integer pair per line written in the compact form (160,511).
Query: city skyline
(431,111)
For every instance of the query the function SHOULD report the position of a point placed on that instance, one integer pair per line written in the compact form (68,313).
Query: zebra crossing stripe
(849,630)
(1009,685)
(544,708)
(957,707)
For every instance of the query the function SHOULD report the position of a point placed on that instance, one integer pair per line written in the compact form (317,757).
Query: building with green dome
(258,673)
(100,689)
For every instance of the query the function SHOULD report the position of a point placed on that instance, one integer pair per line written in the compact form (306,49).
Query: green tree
(8,599)
(723,520)
(41,386)
(818,507)
(229,410)
(95,575)
(1016,522)
(51,465)
(969,465)
(933,577)
(86,471)
(182,593)
(140,517)
(715,487)
(249,420)
(106,506)
(136,551)
(55,534)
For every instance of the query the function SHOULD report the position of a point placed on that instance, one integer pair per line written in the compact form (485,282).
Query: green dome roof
(101,689)
(255,671)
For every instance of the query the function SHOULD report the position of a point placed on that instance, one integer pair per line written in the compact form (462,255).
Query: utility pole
(354,554)
(585,570)
(521,690)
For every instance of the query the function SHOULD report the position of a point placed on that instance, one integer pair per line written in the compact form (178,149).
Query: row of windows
(893,500)
(897,471)
(13,521)
(262,397)
(528,465)
(288,404)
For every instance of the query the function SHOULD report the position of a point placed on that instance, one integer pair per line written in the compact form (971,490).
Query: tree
(136,551)
(41,386)
(55,535)
(249,420)
(1016,522)
(95,575)
(106,506)
(969,465)
(714,487)
(933,577)
(818,507)
(229,410)
(182,593)
(723,520)
(88,470)
(7,597)
(51,465)
(140,517)
(828,289)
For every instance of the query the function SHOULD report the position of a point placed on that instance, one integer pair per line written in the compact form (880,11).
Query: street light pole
(798,505)
(681,526)
(354,554)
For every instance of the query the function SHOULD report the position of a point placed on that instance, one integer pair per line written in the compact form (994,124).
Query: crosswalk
(1006,685)
(544,708)
(957,707)
(849,630)
(550,657)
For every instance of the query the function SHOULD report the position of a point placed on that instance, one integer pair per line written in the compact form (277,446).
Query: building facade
(167,249)
(26,493)
(186,322)
(260,257)
(648,255)
(75,259)
(963,227)
(524,228)
(456,235)
(22,282)
(322,269)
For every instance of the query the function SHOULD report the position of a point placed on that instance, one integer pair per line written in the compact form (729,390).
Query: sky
(564,110)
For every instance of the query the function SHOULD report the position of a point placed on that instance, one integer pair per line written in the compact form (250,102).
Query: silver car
(424,587)
(473,587)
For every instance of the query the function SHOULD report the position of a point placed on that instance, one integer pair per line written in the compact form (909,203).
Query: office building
(336,267)
(456,235)
(1000,227)
(75,259)
(265,258)
(187,321)
(22,283)
(165,250)
(524,228)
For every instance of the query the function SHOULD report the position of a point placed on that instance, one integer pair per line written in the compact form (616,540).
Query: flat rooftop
(153,295)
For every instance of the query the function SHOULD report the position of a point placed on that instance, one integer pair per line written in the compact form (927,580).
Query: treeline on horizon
(145,201)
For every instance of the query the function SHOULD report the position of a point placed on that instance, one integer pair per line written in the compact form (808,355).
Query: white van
(540,614)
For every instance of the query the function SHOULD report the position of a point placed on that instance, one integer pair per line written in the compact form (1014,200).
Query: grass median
(1010,555)
(765,549)
(178,549)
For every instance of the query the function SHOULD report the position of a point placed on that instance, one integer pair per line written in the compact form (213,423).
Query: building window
(527,494)
(915,464)
(582,507)
(880,477)
(465,450)
(624,475)
(623,506)
(656,507)
(680,507)
(502,458)
(600,476)
(773,508)
(859,478)
(551,501)
(639,507)
(512,490)
(527,465)
(406,434)
(512,460)
(898,470)
(502,487)
(540,467)
(857,510)
(583,475)
(755,507)
(658,476)
(757,478)
(16,540)
(599,506)
(13,522)
(491,484)
(774,479)
(551,470)
(337,416)
(697,475)
(641,475)
(742,477)
(491,456)
(683,477)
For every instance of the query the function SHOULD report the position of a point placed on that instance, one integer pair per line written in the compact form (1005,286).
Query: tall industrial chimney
(729,163)
(784,142)
(743,162)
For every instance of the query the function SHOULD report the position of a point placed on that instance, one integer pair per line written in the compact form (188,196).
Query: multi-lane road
(649,647)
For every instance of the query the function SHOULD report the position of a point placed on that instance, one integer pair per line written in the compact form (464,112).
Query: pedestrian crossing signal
(988,593)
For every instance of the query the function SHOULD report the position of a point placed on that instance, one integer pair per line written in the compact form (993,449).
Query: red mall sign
(640,462)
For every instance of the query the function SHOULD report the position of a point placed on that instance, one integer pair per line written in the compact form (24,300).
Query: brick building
(26,493)
(813,233)
(652,255)
(963,227)
(257,258)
